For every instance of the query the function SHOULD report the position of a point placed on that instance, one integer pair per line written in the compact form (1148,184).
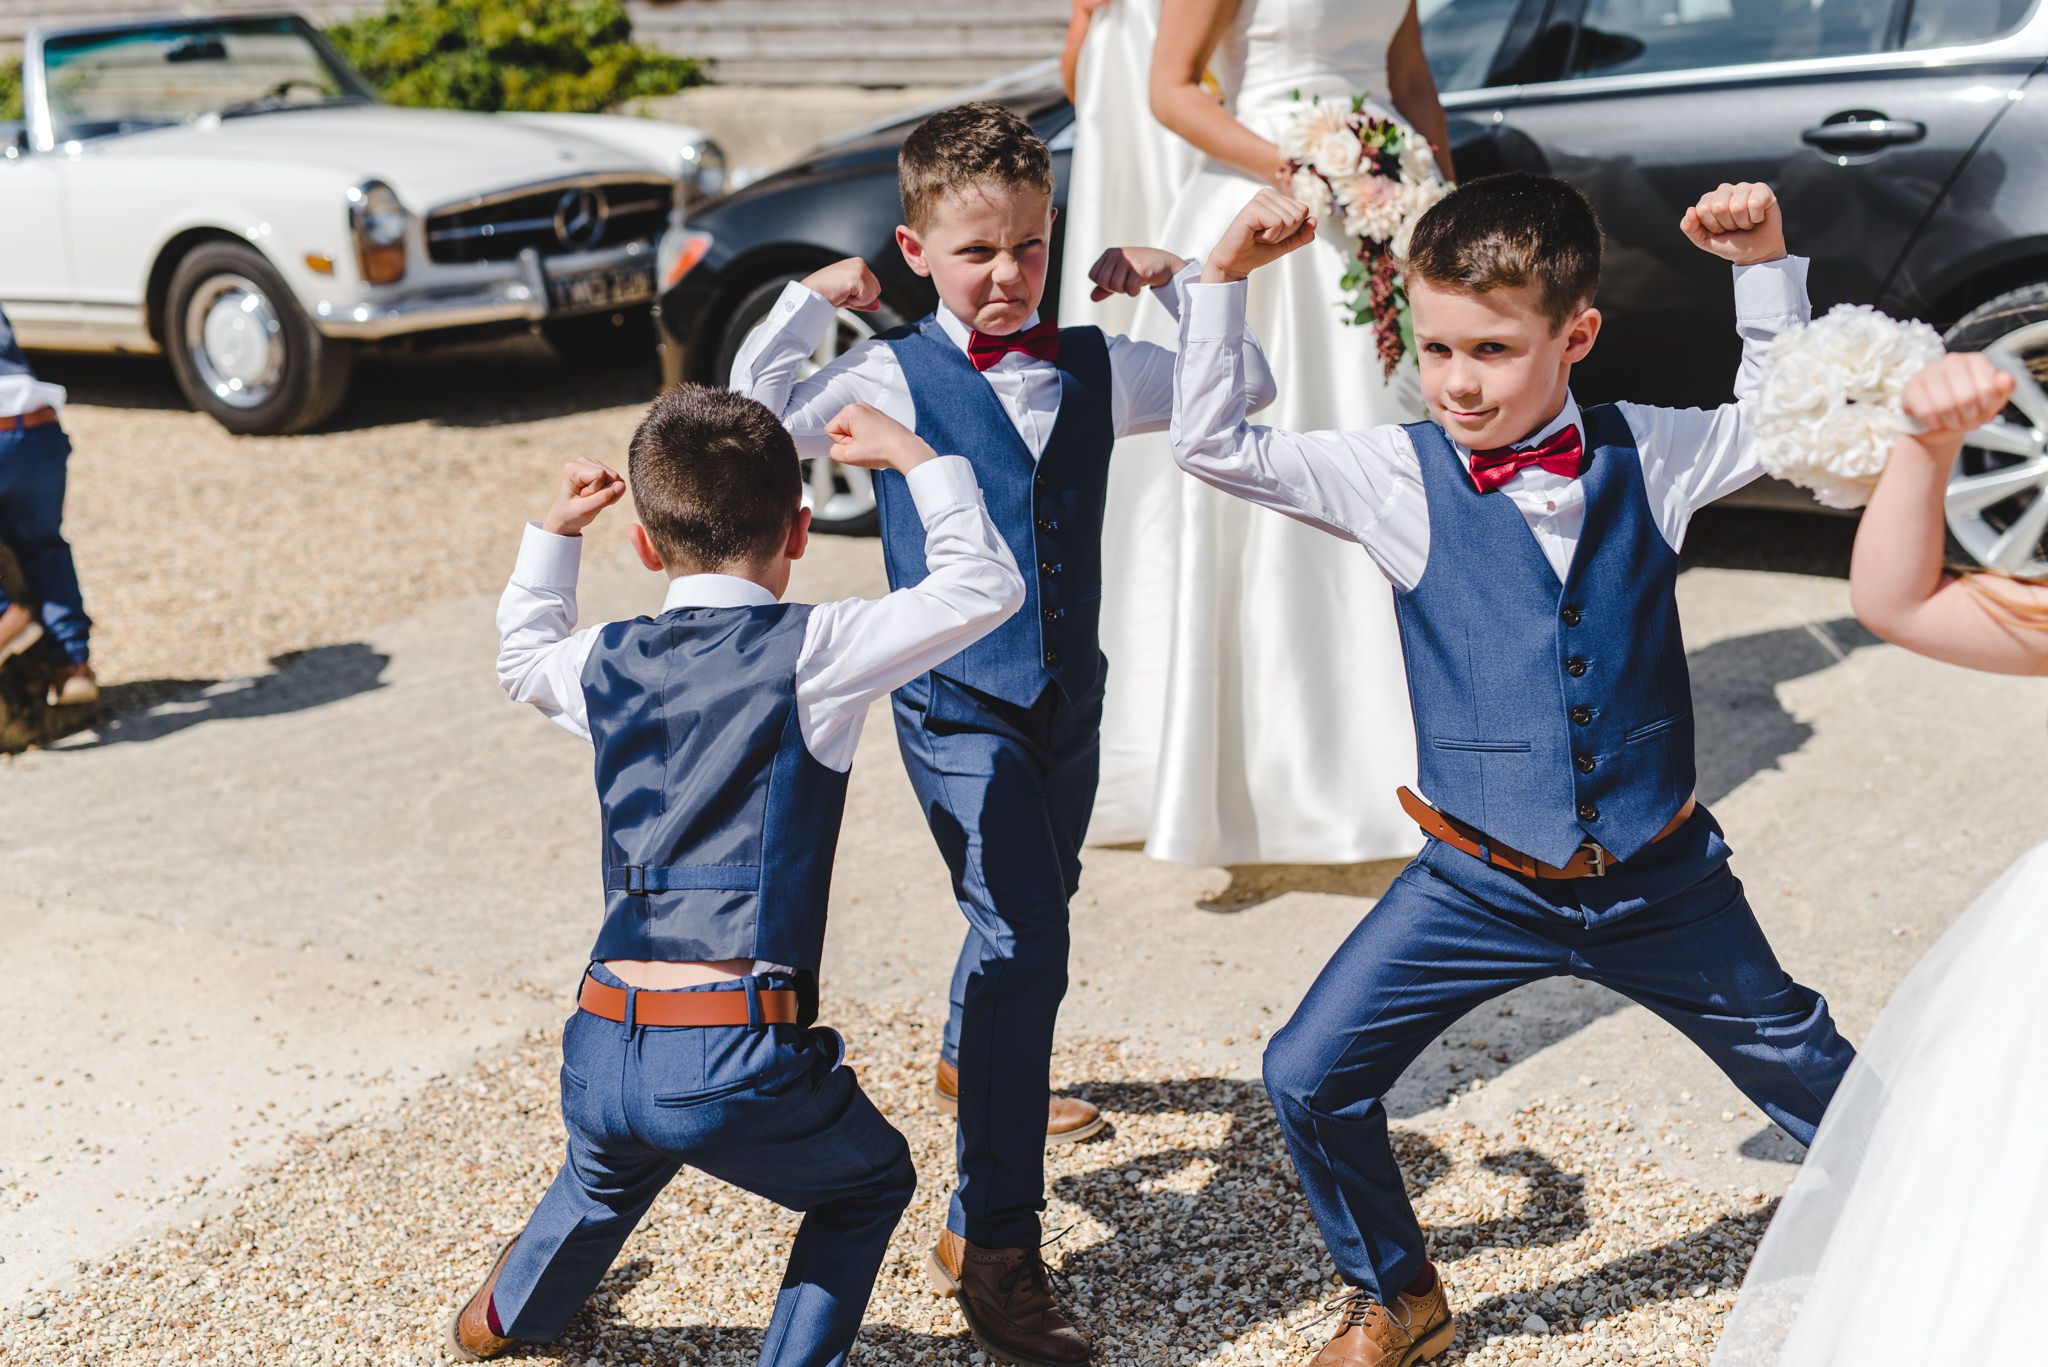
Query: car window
(1628,37)
(1946,23)
(1461,37)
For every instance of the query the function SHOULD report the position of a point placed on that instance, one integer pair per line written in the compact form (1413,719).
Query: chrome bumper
(515,291)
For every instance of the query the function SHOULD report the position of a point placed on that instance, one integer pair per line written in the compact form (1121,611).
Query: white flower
(1829,405)
(1418,162)
(1373,207)
(1306,130)
(1337,154)
(1312,190)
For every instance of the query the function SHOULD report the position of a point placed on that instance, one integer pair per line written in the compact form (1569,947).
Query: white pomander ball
(1831,400)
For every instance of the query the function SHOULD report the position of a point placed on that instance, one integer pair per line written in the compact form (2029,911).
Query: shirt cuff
(1771,289)
(547,561)
(942,484)
(806,312)
(1215,313)
(1174,293)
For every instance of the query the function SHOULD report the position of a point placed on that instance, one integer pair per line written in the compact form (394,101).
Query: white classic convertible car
(229,193)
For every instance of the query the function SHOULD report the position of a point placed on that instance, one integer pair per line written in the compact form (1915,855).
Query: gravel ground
(205,556)
(1186,1238)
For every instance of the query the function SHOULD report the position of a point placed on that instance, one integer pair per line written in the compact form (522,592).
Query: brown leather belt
(35,417)
(778,1006)
(1591,861)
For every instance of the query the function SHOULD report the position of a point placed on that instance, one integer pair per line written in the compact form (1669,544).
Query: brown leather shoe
(1068,1119)
(1006,1295)
(469,1333)
(1416,1329)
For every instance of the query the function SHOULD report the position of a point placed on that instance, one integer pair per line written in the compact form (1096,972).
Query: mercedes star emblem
(579,217)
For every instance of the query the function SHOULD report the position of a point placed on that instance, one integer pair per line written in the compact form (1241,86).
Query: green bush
(10,91)
(550,56)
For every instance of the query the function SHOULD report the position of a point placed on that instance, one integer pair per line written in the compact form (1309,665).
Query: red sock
(491,1317)
(1425,1281)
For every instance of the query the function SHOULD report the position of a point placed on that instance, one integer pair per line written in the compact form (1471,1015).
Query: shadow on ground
(480,384)
(302,680)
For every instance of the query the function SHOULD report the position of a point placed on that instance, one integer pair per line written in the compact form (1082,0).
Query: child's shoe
(74,686)
(1418,1328)
(471,1336)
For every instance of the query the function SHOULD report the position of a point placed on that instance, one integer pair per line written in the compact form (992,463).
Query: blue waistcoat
(1547,713)
(719,824)
(1049,511)
(12,362)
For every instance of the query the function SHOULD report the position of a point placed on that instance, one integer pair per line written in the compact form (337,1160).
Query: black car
(1895,131)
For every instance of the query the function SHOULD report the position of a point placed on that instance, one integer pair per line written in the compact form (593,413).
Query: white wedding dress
(1257,711)
(1917,1231)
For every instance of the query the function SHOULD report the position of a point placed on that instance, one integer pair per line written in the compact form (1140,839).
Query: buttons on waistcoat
(1582,714)
(1584,763)
(1048,567)
(1052,658)
(1054,614)
(1570,616)
(1047,524)
(1575,667)
(1588,812)
(1039,479)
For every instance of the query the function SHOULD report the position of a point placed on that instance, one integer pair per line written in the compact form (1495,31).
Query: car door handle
(1864,134)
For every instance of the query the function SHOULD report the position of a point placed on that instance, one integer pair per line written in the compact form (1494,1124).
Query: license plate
(610,288)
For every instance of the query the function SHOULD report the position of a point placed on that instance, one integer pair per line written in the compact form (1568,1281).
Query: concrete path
(253,912)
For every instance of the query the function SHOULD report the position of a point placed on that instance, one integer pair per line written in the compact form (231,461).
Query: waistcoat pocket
(1484,747)
(1655,728)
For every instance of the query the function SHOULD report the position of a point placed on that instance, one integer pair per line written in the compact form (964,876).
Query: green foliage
(10,91)
(550,56)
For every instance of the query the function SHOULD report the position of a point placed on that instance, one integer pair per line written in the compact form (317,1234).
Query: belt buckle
(1603,862)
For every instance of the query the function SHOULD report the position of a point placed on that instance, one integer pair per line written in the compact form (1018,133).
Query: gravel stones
(1184,1238)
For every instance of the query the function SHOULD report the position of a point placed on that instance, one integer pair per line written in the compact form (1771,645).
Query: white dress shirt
(1140,390)
(854,650)
(21,394)
(1367,486)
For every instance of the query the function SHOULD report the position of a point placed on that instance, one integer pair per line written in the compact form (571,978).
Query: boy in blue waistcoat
(1002,741)
(724,729)
(1533,549)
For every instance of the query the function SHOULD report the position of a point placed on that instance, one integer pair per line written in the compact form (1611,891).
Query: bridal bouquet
(1831,402)
(1381,177)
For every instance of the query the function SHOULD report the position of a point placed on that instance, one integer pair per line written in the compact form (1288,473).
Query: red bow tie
(1561,453)
(1042,341)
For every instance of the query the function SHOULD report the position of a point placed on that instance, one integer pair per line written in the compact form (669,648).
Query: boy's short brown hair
(714,478)
(965,147)
(1506,231)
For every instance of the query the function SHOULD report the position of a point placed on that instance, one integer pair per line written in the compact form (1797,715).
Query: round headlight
(381,215)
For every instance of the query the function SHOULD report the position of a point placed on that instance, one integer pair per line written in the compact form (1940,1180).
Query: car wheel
(243,350)
(1997,500)
(603,341)
(842,497)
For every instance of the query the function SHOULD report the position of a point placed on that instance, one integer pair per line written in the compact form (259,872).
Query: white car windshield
(114,80)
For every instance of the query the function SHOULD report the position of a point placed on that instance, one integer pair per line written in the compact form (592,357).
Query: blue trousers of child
(768,1108)
(1007,791)
(1670,929)
(32,475)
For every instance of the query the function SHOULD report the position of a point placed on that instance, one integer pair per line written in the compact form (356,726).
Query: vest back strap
(779,1006)
(644,878)
(1591,861)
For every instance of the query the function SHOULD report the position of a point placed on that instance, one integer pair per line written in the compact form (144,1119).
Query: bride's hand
(1127,270)
(1265,230)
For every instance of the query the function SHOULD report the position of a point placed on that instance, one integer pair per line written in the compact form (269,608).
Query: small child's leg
(1700,960)
(32,479)
(1428,953)
(573,1236)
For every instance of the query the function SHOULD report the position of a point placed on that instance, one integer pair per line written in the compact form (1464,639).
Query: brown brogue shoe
(1068,1119)
(1006,1296)
(470,1336)
(1415,1329)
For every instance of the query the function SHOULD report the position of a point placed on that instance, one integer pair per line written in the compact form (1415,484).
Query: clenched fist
(1738,223)
(866,436)
(1265,230)
(1957,395)
(585,490)
(1127,270)
(847,284)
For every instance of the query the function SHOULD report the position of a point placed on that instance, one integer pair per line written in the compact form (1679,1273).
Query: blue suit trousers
(767,1108)
(32,479)
(1007,791)
(1670,929)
